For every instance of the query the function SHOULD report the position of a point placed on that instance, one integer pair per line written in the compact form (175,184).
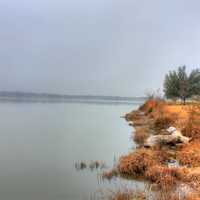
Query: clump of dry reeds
(192,128)
(164,177)
(192,197)
(137,163)
(125,194)
(151,105)
(163,122)
(140,135)
(132,116)
(110,174)
(171,195)
(189,155)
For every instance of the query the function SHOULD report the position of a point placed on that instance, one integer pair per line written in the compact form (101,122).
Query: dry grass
(140,122)
(192,128)
(135,194)
(124,193)
(152,105)
(150,163)
(189,155)
(140,135)
(164,177)
(137,163)
(133,116)
(170,195)
(193,197)
(110,174)
(163,122)
(130,195)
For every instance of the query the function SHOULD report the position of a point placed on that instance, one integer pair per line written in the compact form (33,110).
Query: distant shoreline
(49,97)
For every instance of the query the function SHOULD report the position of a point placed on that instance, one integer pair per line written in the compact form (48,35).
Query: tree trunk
(184,100)
(175,138)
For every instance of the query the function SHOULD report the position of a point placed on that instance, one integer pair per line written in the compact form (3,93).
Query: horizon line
(64,94)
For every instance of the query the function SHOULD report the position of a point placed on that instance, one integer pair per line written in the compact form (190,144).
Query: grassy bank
(172,170)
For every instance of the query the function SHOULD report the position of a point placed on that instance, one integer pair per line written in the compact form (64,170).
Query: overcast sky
(103,47)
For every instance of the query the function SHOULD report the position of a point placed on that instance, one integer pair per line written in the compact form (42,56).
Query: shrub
(164,177)
(192,128)
(189,155)
(140,135)
(137,163)
(163,122)
(149,105)
(132,116)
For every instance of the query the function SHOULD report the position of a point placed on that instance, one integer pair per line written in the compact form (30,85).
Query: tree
(178,84)
(194,82)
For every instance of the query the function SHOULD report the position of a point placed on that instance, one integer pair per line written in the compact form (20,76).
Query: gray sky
(103,47)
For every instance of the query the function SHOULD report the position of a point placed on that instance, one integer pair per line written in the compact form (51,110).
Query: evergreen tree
(178,84)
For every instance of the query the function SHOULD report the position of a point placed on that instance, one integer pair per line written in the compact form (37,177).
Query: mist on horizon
(101,47)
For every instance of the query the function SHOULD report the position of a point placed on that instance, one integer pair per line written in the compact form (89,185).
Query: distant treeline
(31,96)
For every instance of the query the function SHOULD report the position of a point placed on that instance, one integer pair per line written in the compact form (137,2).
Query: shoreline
(171,168)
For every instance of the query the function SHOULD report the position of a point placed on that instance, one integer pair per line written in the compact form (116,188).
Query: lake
(41,142)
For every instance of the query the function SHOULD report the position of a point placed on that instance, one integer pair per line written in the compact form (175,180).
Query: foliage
(178,84)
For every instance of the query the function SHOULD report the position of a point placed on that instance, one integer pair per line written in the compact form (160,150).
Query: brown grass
(133,116)
(150,163)
(163,122)
(164,177)
(124,194)
(189,155)
(192,127)
(128,196)
(170,195)
(109,174)
(137,163)
(193,197)
(151,105)
(140,135)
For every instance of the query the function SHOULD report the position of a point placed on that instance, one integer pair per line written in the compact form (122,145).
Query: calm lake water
(40,143)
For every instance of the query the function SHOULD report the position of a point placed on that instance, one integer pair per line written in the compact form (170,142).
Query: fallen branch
(174,138)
